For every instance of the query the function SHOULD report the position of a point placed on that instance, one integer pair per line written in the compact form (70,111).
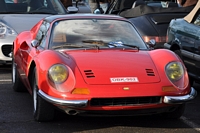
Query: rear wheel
(18,86)
(43,111)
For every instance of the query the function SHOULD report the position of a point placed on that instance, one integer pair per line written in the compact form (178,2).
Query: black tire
(176,113)
(191,80)
(42,110)
(18,86)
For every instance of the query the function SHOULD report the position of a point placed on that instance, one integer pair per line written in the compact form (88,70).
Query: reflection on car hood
(21,22)
(100,67)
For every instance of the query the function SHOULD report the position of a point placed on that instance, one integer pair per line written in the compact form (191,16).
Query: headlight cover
(174,71)
(6,30)
(177,74)
(58,73)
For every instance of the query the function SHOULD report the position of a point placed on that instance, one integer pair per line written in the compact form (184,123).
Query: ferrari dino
(87,64)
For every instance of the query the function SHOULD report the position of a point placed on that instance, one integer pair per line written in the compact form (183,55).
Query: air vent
(150,72)
(6,50)
(89,74)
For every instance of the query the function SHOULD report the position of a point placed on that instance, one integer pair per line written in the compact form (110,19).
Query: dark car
(183,39)
(151,17)
(19,15)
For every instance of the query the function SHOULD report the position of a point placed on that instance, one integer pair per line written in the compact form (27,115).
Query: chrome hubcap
(13,72)
(34,96)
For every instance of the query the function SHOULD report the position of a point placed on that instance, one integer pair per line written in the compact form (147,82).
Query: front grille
(124,101)
(6,50)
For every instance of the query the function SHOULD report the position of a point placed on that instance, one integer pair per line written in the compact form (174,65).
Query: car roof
(81,16)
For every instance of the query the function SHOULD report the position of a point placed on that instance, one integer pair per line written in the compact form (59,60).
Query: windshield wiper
(110,44)
(132,46)
(98,42)
(67,45)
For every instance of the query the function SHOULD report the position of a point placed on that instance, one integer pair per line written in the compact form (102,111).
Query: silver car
(19,15)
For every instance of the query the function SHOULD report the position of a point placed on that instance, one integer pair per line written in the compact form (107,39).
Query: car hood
(21,22)
(115,67)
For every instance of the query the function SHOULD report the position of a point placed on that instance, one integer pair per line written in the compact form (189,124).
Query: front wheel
(43,111)
(176,113)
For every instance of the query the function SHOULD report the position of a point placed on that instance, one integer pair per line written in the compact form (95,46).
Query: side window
(41,35)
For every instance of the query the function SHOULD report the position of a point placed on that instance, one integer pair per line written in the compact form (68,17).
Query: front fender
(161,57)
(44,61)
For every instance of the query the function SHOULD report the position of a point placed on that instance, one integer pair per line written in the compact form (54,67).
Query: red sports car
(90,64)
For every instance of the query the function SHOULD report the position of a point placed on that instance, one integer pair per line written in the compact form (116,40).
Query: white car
(19,15)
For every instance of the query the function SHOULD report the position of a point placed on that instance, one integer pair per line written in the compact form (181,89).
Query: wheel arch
(30,74)
(175,46)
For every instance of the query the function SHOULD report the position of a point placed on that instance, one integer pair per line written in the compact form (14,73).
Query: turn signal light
(168,88)
(81,91)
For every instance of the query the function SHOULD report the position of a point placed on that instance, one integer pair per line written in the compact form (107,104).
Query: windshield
(97,33)
(31,6)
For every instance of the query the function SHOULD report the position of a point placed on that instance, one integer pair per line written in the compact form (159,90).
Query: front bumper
(180,99)
(84,103)
(57,101)
(6,45)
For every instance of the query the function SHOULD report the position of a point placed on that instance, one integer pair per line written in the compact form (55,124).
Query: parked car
(82,5)
(21,15)
(151,17)
(83,65)
(183,39)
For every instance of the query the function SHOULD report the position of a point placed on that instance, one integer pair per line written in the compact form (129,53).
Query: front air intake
(89,73)
(150,72)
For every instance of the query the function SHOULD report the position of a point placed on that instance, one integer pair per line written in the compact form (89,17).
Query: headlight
(177,74)
(6,30)
(58,73)
(174,71)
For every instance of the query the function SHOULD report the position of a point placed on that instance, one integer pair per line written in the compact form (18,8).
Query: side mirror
(98,11)
(35,43)
(151,43)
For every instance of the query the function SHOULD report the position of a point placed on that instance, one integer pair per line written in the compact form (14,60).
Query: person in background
(66,3)
(186,3)
(94,5)
(104,4)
